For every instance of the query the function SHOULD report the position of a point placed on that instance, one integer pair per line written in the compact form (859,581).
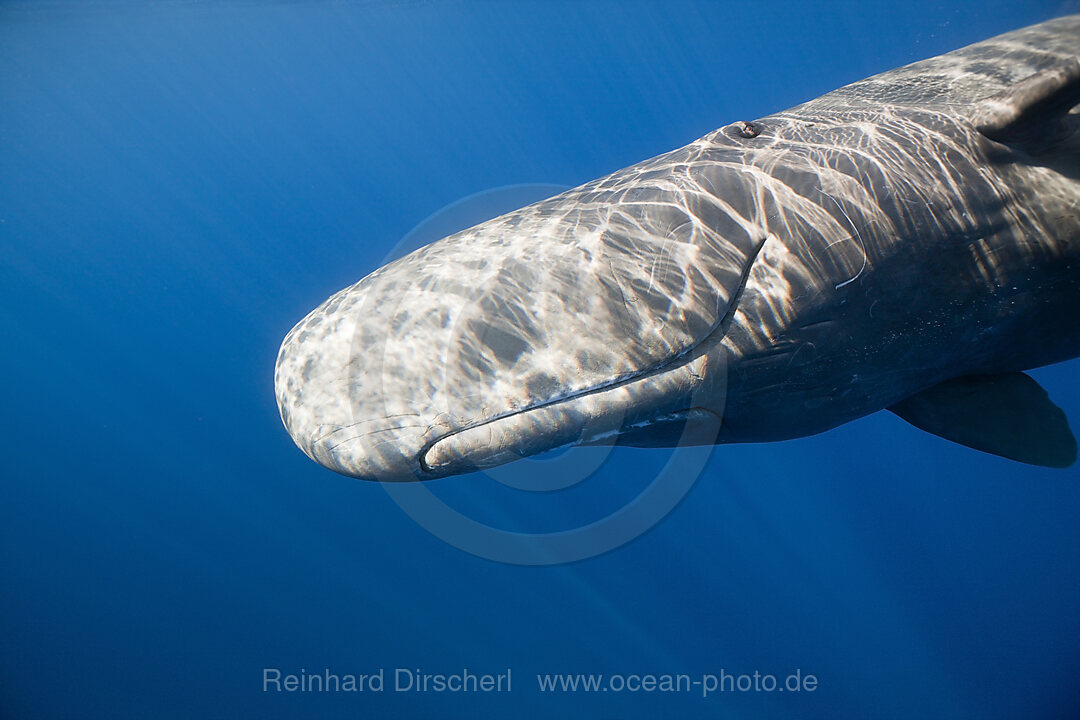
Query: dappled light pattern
(796,257)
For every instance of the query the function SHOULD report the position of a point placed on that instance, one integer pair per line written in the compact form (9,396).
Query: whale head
(584,318)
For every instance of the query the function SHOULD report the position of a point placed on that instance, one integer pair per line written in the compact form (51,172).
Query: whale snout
(357,403)
(571,320)
(332,405)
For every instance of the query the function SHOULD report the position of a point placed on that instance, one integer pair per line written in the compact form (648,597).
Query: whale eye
(743,129)
(748,129)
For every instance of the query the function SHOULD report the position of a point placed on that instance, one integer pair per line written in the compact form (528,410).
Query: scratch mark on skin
(861,244)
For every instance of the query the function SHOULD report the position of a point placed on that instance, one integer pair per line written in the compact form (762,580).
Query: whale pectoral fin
(1030,113)
(1007,415)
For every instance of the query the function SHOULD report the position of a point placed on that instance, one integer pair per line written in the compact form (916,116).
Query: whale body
(907,242)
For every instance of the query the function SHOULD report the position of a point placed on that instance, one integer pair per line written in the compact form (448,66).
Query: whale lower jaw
(687,395)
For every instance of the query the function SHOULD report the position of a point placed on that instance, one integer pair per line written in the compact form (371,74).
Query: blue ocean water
(180,182)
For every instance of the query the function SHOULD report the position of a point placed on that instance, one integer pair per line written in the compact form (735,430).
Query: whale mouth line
(561,401)
(592,416)
(498,439)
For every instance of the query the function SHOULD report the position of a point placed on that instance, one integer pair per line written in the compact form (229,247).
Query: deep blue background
(181,182)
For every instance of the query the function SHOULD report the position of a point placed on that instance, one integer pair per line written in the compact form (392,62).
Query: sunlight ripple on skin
(795,252)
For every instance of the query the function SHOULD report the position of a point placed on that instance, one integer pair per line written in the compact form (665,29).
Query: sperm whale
(908,242)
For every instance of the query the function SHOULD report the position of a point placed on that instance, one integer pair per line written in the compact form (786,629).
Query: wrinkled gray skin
(862,247)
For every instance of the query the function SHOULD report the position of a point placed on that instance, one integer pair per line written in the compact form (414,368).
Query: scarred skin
(771,280)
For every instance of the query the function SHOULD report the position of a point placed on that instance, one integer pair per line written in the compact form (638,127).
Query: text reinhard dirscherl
(400,680)
(467,681)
